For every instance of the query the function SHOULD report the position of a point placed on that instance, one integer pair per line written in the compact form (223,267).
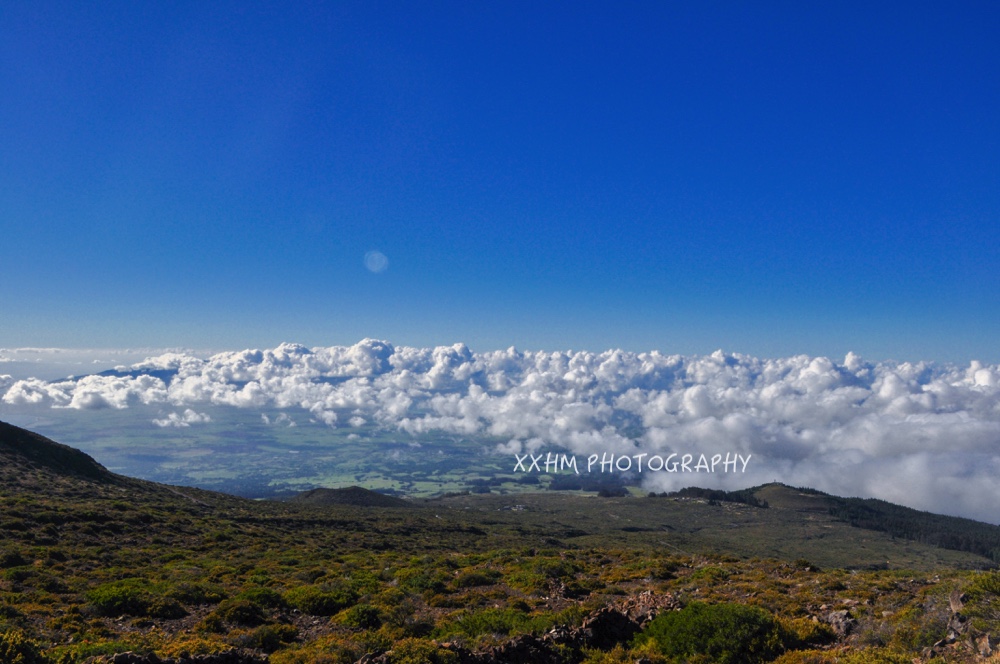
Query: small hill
(22,451)
(946,532)
(790,498)
(353,495)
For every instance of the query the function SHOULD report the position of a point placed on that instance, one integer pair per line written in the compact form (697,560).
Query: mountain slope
(93,563)
(22,450)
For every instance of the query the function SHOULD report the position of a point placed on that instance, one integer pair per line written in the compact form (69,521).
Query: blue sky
(769,178)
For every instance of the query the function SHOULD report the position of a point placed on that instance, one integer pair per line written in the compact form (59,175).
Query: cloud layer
(922,434)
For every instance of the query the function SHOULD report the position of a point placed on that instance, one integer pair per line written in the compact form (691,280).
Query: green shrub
(365,581)
(876,656)
(240,612)
(309,655)
(259,576)
(664,570)
(529,582)
(419,651)
(983,584)
(362,616)
(617,655)
(7,612)
(267,637)
(422,580)
(264,597)
(571,616)
(128,596)
(582,587)
(833,585)
(475,578)
(51,584)
(491,621)
(805,633)
(807,657)
(197,593)
(317,601)
(710,575)
(554,568)
(311,575)
(15,648)
(724,633)
(134,597)
(12,559)
(397,610)
(19,574)
(916,628)
(181,647)
(983,601)
(502,622)
(83,652)
(211,623)
(165,607)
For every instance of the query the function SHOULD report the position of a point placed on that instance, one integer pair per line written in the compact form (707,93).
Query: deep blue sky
(767,177)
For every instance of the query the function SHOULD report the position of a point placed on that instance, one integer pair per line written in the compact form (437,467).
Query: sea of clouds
(919,434)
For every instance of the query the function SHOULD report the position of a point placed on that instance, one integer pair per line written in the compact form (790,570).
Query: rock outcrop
(960,634)
(841,621)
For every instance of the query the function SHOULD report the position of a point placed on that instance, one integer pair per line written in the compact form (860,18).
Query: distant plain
(238,452)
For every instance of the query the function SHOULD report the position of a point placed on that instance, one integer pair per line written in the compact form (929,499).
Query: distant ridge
(352,495)
(22,450)
(946,532)
(33,465)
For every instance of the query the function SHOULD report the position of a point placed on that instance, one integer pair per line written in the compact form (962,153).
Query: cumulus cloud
(185,419)
(922,434)
(281,419)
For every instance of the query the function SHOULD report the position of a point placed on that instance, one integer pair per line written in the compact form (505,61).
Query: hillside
(23,452)
(946,532)
(353,495)
(93,564)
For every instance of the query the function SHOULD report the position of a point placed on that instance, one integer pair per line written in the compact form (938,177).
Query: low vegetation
(725,633)
(93,565)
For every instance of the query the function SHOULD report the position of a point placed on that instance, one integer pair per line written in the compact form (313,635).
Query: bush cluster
(724,633)
(983,601)
(133,597)
(320,601)
(16,649)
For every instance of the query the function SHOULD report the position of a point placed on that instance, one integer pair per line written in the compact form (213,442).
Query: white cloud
(281,419)
(36,391)
(55,363)
(922,434)
(186,419)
